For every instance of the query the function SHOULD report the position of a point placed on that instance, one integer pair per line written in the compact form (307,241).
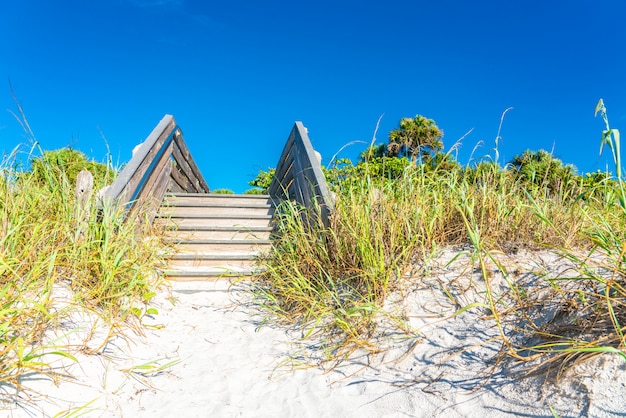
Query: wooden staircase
(215,235)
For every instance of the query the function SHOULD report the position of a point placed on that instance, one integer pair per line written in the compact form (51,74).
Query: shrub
(66,163)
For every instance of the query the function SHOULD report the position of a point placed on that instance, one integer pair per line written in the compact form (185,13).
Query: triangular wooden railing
(163,163)
(160,164)
(299,175)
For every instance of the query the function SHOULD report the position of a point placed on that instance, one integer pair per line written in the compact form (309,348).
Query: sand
(208,353)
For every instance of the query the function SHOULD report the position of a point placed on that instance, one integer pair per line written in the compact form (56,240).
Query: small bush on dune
(391,213)
(67,163)
(43,245)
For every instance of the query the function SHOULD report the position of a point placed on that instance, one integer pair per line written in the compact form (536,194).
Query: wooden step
(219,233)
(235,260)
(215,235)
(221,246)
(209,210)
(203,274)
(182,199)
(246,221)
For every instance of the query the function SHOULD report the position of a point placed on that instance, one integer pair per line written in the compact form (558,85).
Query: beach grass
(333,280)
(46,248)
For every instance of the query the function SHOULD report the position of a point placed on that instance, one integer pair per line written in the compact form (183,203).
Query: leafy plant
(109,271)
(541,169)
(263,180)
(67,163)
(415,137)
(222,191)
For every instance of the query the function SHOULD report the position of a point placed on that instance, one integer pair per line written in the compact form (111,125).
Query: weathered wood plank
(182,145)
(181,180)
(299,175)
(175,188)
(84,191)
(148,190)
(151,197)
(283,170)
(128,180)
(185,169)
(160,164)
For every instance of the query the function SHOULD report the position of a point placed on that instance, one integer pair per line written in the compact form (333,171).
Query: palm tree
(542,168)
(415,137)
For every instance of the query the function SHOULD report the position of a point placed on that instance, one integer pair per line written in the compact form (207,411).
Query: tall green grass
(44,247)
(334,281)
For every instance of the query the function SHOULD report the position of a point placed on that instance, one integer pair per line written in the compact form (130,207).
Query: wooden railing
(299,175)
(160,164)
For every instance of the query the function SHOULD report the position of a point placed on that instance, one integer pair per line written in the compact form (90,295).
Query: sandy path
(229,367)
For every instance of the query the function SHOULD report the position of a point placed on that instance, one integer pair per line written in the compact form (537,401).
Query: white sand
(229,366)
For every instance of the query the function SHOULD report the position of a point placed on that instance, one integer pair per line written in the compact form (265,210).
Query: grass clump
(391,215)
(45,247)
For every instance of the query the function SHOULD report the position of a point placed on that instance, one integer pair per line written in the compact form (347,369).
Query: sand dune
(206,355)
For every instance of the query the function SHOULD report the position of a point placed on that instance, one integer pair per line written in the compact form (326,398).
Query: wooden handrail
(299,175)
(160,164)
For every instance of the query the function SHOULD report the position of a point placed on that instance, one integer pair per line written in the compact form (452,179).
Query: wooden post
(84,190)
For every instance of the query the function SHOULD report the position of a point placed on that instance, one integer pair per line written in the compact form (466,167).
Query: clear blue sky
(237,74)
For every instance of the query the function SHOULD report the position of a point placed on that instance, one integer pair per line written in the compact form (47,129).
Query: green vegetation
(67,163)
(263,180)
(255,190)
(222,191)
(415,138)
(47,250)
(395,209)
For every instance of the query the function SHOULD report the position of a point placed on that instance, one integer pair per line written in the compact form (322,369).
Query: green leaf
(599,107)
(468,307)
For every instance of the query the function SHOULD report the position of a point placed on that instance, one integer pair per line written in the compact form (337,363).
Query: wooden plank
(148,189)
(174,187)
(284,163)
(182,145)
(185,169)
(284,169)
(151,197)
(316,169)
(299,174)
(151,173)
(181,179)
(131,175)
(160,189)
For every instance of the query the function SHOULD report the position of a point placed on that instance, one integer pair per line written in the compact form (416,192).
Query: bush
(66,163)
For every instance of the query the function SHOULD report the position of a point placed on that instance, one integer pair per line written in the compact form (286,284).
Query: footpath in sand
(206,354)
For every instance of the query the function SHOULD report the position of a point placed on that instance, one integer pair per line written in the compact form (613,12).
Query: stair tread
(233,228)
(175,204)
(219,241)
(214,216)
(214,271)
(220,257)
(220,195)
(214,256)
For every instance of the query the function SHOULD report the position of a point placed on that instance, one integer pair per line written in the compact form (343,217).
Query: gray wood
(153,195)
(130,176)
(182,146)
(144,181)
(299,174)
(84,190)
(148,189)
(185,170)
(181,179)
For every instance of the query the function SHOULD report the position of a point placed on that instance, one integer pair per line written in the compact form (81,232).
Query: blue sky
(237,74)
